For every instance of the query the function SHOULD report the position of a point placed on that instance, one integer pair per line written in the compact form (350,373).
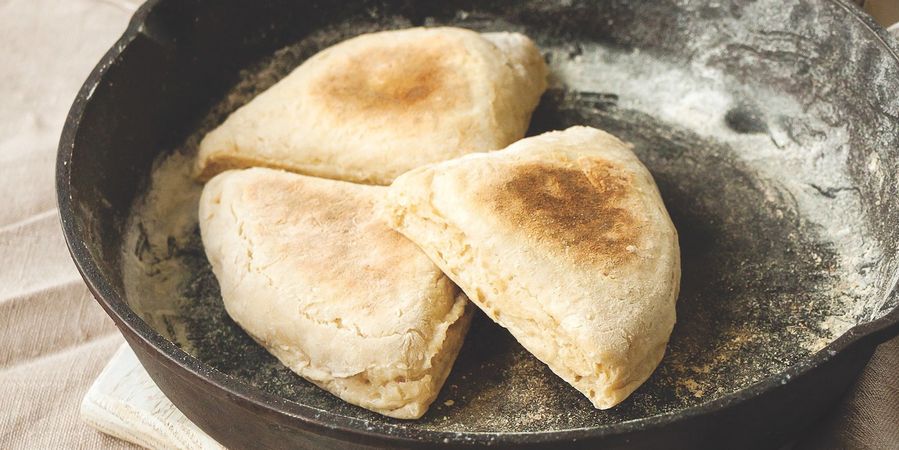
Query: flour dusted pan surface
(375,106)
(309,272)
(564,240)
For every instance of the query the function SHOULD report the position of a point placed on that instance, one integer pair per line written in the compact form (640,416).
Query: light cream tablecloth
(54,338)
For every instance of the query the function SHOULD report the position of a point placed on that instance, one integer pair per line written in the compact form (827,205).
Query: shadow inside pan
(753,178)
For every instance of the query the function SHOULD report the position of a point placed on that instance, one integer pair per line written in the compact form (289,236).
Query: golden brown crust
(403,78)
(577,208)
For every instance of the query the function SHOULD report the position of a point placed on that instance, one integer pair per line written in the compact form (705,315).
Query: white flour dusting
(161,222)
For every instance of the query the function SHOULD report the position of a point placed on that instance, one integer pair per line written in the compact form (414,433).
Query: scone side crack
(430,382)
(207,166)
(342,385)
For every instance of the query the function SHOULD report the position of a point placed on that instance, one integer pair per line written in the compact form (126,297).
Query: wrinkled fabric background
(55,339)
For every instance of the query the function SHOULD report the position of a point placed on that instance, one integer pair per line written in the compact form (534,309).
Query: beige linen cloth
(55,339)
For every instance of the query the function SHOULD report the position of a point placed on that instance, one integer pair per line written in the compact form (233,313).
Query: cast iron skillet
(771,128)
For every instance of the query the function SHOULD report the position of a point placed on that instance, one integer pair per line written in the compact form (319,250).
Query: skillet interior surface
(769,126)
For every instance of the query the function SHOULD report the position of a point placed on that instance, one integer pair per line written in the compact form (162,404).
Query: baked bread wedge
(310,273)
(564,240)
(372,107)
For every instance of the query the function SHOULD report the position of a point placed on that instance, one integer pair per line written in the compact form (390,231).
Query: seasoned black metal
(759,278)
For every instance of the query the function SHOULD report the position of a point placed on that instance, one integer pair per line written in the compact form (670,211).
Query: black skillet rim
(865,335)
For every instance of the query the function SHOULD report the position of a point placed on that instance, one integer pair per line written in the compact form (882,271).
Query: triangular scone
(341,299)
(375,106)
(561,238)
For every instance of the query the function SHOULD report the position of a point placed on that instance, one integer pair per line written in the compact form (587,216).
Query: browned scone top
(380,104)
(563,239)
(580,206)
(404,79)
